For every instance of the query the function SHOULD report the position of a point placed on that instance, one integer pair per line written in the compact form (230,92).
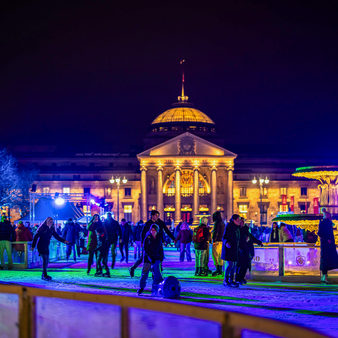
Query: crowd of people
(232,244)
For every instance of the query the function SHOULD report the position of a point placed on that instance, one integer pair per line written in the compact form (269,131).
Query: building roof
(183,114)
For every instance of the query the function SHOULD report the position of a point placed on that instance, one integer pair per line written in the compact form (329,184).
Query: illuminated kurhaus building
(183,171)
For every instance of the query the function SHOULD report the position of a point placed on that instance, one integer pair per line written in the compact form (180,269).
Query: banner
(292,203)
(316,205)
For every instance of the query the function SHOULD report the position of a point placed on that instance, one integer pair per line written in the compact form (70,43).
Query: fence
(43,313)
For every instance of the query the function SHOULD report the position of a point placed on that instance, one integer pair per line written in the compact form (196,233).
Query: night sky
(88,73)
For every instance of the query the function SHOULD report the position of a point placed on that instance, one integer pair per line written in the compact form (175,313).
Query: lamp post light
(262,183)
(118,182)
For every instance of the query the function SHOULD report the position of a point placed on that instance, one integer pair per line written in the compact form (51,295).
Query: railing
(23,257)
(287,259)
(229,324)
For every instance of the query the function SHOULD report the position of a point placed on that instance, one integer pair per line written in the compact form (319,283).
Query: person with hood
(71,234)
(22,234)
(153,257)
(154,218)
(284,234)
(185,238)
(7,235)
(217,238)
(42,240)
(230,249)
(201,238)
(274,234)
(127,236)
(246,252)
(328,251)
(114,233)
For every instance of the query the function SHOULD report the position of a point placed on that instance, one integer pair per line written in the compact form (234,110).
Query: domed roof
(183,114)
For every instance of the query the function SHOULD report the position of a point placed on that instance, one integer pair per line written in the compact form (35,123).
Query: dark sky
(88,72)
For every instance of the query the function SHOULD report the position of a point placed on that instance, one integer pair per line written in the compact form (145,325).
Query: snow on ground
(310,305)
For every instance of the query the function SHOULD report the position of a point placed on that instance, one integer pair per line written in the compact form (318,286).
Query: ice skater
(42,241)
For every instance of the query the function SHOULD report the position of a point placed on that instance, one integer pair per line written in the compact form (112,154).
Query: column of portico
(160,207)
(213,189)
(144,193)
(177,195)
(196,200)
(229,194)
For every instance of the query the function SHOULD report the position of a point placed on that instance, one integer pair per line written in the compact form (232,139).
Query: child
(153,256)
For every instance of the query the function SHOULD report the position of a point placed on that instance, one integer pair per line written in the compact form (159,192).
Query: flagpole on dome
(182,98)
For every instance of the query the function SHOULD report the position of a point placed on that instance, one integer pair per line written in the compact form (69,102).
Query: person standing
(92,240)
(246,252)
(127,235)
(22,234)
(42,240)
(114,233)
(274,235)
(137,239)
(102,249)
(153,257)
(230,249)
(7,235)
(154,218)
(284,234)
(185,238)
(201,239)
(217,238)
(328,251)
(71,234)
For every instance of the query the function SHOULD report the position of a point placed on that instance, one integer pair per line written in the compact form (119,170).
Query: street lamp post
(262,183)
(118,182)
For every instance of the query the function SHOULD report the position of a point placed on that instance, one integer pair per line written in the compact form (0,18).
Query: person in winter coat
(153,257)
(137,231)
(127,236)
(201,238)
(71,234)
(22,234)
(154,218)
(102,249)
(328,251)
(185,238)
(230,249)
(7,235)
(284,234)
(274,235)
(42,240)
(114,233)
(246,252)
(217,238)
(92,240)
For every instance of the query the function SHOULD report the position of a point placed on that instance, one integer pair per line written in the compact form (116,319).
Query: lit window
(243,209)
(45,190)
(283,208)
(128,209)
(283,191)
(66,190)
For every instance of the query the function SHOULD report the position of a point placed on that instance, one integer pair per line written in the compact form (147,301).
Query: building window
(96,177)
(66,190)
(45,190)
(127,210)
(303,191)
(283,208)
(76,177)
(283,191)
(243,210)
(242,191)
(86,191)
(127,192)
(303,208)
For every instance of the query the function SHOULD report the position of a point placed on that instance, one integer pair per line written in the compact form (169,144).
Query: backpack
(198,236)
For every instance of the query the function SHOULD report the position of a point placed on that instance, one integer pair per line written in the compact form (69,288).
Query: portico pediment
(187,145)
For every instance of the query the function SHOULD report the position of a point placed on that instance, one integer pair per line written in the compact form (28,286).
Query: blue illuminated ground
(311,305)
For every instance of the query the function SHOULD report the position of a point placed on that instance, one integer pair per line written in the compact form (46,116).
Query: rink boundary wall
(231,323)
